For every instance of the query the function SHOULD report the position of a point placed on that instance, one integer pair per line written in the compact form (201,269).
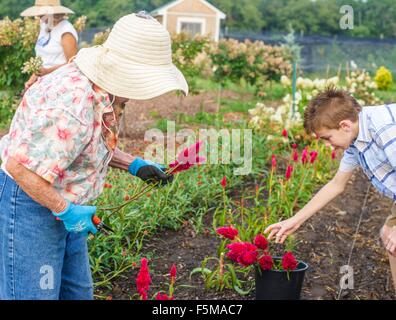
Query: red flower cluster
(143,279)
(273,162)
(261,242)
(227,232)
(313,156)
(289,172)
(266,262)
(223,182)
(289,262)
(295,156)
(244,253)
(284,133)
(164,296)
(143,282)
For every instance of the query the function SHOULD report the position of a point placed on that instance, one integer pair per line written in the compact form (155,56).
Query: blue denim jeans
(39,259)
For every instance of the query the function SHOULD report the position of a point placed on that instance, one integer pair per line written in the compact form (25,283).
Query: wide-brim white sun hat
(44,7)
(135,62)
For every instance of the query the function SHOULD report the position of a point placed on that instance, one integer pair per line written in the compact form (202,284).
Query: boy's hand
(389,239)
(283,229)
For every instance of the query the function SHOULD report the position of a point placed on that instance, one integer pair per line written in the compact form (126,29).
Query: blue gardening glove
(149,171)
(78,218)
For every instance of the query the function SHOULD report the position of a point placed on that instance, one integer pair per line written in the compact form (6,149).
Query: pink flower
(143,279)
(273,162)
(313,156)
(223,182)
(289,172)
(294,146)
(304,156)
(284,133)
(295,156)
(261,242)
(227,232)
(164,296)
(266,262)
(289,262)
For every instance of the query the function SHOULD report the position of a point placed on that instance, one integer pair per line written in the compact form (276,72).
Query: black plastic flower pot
(276,285)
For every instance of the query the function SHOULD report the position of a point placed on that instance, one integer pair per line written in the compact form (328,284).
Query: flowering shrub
(17,39)
(362,87)
(190,55)
(252,61)
(383,78)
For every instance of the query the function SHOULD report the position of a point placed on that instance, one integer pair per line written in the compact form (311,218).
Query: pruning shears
(101,226)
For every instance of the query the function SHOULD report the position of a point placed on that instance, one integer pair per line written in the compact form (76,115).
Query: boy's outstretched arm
(332,189)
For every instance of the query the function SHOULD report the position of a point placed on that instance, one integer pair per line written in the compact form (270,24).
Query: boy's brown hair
(329,108)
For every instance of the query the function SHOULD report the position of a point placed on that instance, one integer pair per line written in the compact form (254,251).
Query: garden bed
(325,244)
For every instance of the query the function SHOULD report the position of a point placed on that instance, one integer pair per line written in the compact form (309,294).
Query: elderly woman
(61,141)
(57,42)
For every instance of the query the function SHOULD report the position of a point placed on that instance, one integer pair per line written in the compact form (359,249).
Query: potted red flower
(277,278)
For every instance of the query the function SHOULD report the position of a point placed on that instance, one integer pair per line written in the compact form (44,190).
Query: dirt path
(326,242)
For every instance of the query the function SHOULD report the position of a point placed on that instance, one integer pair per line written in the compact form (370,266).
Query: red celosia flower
(294,146)
(227,232)
(295,156)
(244,253)
(333,154)
(273,162)
(289,262)
(313,156)
(173,271)
(266,262)
(284,133)
(223,182)
(187,158)
(289,172)
(164,296)
(261,242)
(143,279)
(304,156)
(189,155)
(179,167)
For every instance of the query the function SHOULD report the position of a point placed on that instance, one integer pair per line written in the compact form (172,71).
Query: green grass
(388,96)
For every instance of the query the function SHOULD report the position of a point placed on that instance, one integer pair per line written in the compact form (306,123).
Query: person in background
(57,42)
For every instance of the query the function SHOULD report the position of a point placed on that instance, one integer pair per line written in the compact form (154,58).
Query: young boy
(368,136)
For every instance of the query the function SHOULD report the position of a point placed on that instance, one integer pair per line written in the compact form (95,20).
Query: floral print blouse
(65,131)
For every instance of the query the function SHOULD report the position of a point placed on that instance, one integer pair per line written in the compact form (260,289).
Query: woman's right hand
(31,80)
(283,229)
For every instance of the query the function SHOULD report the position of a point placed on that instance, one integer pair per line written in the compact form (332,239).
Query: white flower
(285,81)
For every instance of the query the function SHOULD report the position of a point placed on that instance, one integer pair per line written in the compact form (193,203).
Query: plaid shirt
(375,148)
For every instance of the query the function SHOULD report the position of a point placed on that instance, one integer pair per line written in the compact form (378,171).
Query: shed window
(191,27)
